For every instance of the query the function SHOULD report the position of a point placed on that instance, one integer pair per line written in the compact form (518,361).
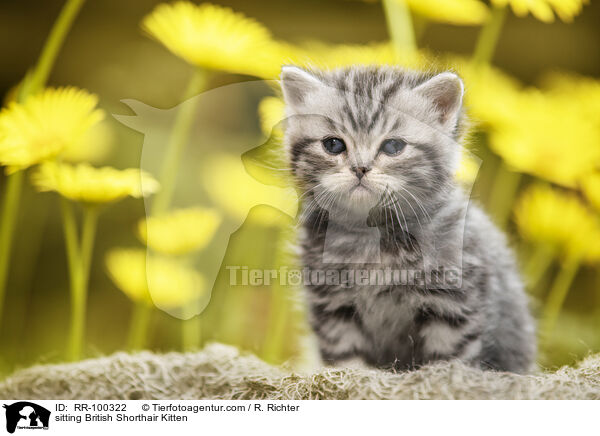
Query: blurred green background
(107,53)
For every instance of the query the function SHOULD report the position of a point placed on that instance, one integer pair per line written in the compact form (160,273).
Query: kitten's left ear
(446,92)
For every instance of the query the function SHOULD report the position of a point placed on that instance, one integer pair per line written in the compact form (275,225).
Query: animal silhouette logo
(26,415)
(212,169)
(219,165)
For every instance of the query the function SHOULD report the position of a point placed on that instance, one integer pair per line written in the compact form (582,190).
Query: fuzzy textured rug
(222,372)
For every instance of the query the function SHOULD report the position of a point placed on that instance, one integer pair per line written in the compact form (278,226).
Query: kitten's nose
(360,171)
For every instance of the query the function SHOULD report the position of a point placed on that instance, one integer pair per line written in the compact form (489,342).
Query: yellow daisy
(266,163)
(460,12)
(329,56)
(546,129)
(214,37)
(468,169)
(93,147)
(543,9)
(162,281)
(491,94)
(532,129)
(231,186)
(85,183)
(271,111)
(585,91)
(181,231)
(559,219)
(45,125)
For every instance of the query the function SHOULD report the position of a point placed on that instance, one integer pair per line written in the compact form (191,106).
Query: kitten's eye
(334,145)
(392,147)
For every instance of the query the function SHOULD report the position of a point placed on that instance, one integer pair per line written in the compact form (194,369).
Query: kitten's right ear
(296,84)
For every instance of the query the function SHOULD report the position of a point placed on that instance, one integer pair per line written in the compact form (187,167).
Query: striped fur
(423,220)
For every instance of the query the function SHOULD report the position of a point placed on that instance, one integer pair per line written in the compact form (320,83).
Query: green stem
(10,208)
(230,329)
(280,309)
(538,263)
(24,271)
(400,26)
(177,142)
(32,83)
(53,44)
(140,323)
(557,295)
(71,243)
(79,284)
(488,37)
(278,315)
(90,224)
(191,328)
(191,333)
(73,261)
(503,192)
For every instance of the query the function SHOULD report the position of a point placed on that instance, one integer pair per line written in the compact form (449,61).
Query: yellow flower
(181,231)
(467,12)
(93,147)
(532,129)
(542,9)
(591,189)
(45,125)
(215,37)
(548,136)
(491,95)
(585,91)
(87,184)
(559,219)
(329,56)
(266,163)
(271,111)
(231,186)
(162,281)
(468,168)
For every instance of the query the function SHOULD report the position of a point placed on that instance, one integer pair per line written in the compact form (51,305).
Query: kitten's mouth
(359,187)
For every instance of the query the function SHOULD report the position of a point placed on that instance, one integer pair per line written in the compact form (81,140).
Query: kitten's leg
(339,332)
(447,335)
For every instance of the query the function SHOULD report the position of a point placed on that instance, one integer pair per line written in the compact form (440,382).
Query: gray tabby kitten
(374,151)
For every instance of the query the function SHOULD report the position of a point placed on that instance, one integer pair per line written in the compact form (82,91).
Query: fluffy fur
(403,213)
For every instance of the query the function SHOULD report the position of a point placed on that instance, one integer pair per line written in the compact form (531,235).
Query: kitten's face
(359,137)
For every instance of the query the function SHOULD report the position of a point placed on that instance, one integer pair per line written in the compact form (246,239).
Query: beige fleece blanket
(223,372)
